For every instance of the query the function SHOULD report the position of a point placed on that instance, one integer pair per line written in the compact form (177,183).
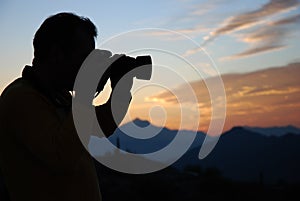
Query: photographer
(41,155)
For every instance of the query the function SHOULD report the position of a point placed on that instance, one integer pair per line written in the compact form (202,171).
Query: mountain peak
(236,129)
(141,123)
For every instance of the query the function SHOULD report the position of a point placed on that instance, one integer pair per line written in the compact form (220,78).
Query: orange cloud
(255,51)
(263,98)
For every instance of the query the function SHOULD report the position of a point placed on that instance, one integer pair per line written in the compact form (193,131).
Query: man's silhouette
(41,155)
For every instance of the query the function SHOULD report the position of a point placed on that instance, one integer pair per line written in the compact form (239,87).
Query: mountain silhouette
(275,131)
(242,153)
(163,136)
(244,165)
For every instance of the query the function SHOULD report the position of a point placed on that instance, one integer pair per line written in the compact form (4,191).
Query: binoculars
(142,66)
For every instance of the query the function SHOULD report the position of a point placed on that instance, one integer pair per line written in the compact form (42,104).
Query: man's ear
(56,55)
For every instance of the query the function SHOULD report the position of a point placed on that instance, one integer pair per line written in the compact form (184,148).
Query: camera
(142,66)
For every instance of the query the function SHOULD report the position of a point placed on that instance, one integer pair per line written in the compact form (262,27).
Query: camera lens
(143,67)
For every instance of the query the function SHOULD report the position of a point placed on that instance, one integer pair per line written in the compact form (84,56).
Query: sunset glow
(252,45)
(263,98)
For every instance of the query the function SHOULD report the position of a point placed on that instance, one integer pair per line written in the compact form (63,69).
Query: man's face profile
(68,67)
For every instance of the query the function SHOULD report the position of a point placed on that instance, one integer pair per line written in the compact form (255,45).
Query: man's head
(61,44)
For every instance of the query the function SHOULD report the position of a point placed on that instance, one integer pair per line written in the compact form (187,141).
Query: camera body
(141,67)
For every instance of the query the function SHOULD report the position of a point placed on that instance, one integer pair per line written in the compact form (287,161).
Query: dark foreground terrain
(191,184)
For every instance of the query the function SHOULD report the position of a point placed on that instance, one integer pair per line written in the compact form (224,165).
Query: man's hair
(59,30)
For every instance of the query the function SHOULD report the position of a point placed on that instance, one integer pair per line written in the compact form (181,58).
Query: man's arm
(109,118)
(111,114)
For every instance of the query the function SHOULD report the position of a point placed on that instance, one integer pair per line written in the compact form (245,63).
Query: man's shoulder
(18,86)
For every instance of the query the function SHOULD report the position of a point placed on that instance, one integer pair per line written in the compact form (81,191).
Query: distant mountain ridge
(162,138)
(274,131)
(242,153)
(134,141)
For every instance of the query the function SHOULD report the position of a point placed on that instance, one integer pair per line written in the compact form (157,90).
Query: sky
(248,44)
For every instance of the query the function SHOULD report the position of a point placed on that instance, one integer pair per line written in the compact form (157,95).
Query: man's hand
(105,55)
(124,82)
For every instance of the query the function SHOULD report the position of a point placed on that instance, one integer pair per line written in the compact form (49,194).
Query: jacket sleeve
(111,114)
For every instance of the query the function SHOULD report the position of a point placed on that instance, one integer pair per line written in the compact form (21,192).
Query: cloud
(288,20)
(266,35)
(255,51)
(192,12)
(263,98)
(192,51)
(266,38)
(249,19)
(173,35)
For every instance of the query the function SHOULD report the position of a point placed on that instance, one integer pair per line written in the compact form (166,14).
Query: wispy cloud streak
(249,19)
(267,37)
